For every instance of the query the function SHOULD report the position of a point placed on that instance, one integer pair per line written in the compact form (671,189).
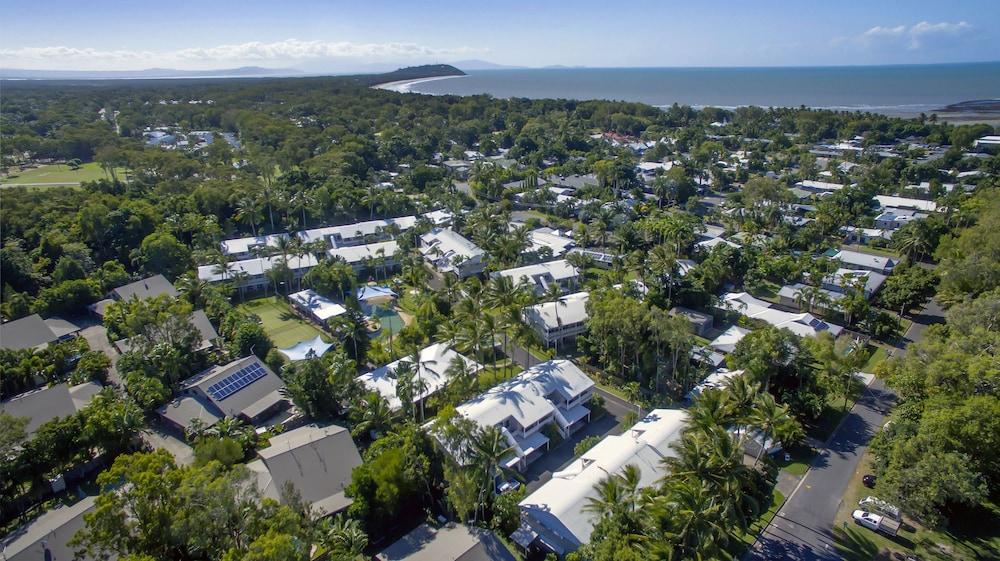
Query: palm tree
(615,493)
(405,390)
(374,416)
(248,212)
(341,536)
(663,263)
(690,524)
(774,421)
(488,448)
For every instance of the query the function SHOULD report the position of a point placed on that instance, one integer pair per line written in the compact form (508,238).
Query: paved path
(97,337)
(803,528)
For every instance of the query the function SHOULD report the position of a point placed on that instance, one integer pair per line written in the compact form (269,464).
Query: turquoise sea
(893,90)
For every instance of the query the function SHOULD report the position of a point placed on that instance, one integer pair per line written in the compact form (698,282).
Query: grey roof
(198,319)
(45,404)
(317,461)
(245,399)
(452,542)
(61,328)
(146,288)
(694,316)
(25,333)
(49,532)
(185,409)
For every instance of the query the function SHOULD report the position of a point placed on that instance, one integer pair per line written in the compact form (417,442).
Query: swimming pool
(389,320)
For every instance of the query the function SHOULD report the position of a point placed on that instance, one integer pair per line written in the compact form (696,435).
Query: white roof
(711,243)
(904,202)
(441,243)
(558,505)
(865,260)
(804,325)
(255,267)
(727,341)
(567,310)
(819,185)
(540,275)
(358,253)
(523,397)
(546,237)
(318,305)
(345,231)
(684,266)
(715,380)
(434,362)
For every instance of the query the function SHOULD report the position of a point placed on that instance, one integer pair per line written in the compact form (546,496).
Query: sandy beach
(403,86)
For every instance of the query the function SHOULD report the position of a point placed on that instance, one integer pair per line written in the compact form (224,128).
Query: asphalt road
(803,528)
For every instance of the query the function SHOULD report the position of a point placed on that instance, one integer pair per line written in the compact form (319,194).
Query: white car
(867,519)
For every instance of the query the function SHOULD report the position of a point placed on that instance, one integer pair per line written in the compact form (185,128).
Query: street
(803,528)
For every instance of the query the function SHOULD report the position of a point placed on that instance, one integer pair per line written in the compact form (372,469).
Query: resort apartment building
(539,276)
(551,393)
(557,321)
(447,251)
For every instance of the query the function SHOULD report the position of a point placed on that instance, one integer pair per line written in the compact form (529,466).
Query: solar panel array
(237,381)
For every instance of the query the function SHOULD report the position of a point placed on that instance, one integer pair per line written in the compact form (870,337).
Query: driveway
(803,528)
(559,457)
(97,337)
(156,437)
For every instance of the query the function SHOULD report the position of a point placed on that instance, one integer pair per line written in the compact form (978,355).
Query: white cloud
(288,51)
(912,37)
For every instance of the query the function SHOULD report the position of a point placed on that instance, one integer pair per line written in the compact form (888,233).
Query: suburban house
(701,323)
(539,276)
(29,332)
(726,342)
(432,371)
(319,308)
(316,461)
(449,252)
(857,260)
(895,218)
(554,518)
(359,233)
(562,319)
(889,201)
(818,187)
(835,287)
(804,325)
(370,255)
(245,388)
(47,537)
(714,381)
(557,243)
(150,287)
(553,392)
(251,274)
(451,542)
(45,404)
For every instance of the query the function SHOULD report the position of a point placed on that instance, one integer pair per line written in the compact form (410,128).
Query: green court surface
(280,323)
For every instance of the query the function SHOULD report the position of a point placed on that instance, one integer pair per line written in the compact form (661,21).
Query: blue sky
(345,36)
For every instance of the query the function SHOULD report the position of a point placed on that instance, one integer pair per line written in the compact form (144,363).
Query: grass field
(60,174)
(280,323)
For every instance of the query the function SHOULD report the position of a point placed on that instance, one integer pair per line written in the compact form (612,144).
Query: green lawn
(878,357)
(777,499)
(799,464)
(56,174)
(281,324)
(970,540)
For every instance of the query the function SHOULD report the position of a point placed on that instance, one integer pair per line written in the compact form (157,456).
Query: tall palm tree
(690,524)
(616,492)
(342,537)
(488,448)
(774,422)
(248,212)
(373,415)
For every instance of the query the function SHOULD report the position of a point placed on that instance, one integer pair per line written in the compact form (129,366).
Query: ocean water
(892,90)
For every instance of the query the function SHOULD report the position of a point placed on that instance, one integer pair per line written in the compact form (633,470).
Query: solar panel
(237,381)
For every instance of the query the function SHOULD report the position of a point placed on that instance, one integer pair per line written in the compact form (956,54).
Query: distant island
(241,72)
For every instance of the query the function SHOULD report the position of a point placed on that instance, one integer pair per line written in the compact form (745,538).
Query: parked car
(875,522)
(868,480)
